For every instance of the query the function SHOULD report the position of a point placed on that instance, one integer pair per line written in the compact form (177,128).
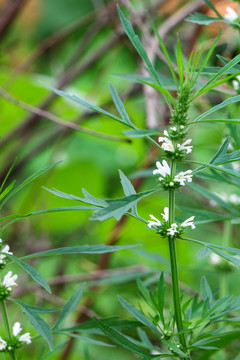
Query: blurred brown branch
(9,13)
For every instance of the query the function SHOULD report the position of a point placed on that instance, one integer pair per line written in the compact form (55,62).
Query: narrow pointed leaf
(118,207)
(120,107)
(37,322)
(138,315)
(218,107)
(121,340)
(32,272)
(84,103)
(84,249)
(28,180)
(70,306)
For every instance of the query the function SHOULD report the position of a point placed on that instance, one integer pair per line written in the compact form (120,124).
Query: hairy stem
(7,327)
(174,267)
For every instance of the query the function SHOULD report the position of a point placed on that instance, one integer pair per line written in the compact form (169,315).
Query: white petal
(16,328)
(25,338)
(165,215)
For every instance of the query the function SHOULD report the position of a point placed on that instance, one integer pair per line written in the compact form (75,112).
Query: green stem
(174,267)
(226,240)
(7,327)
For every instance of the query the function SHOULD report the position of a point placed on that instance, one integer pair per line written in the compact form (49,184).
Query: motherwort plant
(192,328)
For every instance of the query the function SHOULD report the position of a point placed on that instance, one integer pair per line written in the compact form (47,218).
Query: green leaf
(228,257)
(127,188)
(163,47)
(160,296)
(138,133)
(218,168)
(210,4)
(118,207)
(137,44)
(121,340)
(7,189)
(84,338)
(222,150)
(32,272)
(119,105)
(166,82)
(6,177)
(204,252)
(228,66)
(215,248)
(202,19)
(95,108)
(180,62)
(161,89)
(201,216)
(138,315)
(88,198)
(230,121)
(210,195)
(37,322)
(18,217)
(44,356)
(207,57)
(28,180)
(70,306)
(218,107)
(84,249)
(206,291)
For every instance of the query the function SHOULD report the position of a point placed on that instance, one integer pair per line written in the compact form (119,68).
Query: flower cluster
(165,229)
(16,341)
(175,151)
(6,287)
(4,249)
(9,279)
(167,181)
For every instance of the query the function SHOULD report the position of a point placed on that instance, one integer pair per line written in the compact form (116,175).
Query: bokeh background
(80,46)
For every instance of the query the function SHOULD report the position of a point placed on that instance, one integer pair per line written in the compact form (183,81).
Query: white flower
(16,331)
(153,222)
(9,280)
(16,328)
(163,169)
(167,144)
(189,222)
(236,83)
(234,199)
(185,146)
(215,259)
(3,344)
(172,230)
(165,214)
(25,338)
(173,128)
(184,176)
(231,14)
(5,249)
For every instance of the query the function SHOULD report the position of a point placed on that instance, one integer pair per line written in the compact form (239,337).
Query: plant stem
(226,239)
(7,327)
(174,268)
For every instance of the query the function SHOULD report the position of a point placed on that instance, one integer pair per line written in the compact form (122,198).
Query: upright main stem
(7,326)
(174,268)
